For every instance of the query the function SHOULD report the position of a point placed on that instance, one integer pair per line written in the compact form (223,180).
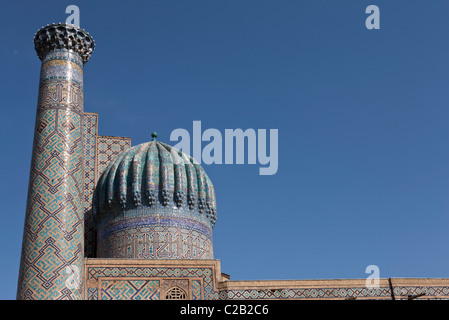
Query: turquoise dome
(146,174)
(154,192)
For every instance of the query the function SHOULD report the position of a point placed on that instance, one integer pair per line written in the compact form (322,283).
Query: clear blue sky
(362,117)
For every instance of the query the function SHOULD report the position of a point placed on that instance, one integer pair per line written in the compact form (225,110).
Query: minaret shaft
(52,261)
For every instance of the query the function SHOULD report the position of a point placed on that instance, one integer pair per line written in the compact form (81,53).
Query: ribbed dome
(152,173)
(154,202)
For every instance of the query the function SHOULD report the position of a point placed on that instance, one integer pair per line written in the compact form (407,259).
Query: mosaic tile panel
(90,129)
(332,293)
(196,290)
(202,275)
(123,289)
(92,293)
(108,148)
(156,237)
(303,293)
(200,284)
(53,241)
(440,291)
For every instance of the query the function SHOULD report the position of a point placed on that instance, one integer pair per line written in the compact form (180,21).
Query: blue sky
(362,117)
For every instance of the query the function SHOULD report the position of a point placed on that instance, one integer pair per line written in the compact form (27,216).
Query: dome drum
(155,233)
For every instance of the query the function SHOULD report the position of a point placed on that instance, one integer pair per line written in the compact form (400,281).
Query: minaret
(52,261)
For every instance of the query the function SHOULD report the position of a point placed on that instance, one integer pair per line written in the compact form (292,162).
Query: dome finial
(154,135)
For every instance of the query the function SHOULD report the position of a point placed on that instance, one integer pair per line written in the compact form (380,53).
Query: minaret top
(64,36)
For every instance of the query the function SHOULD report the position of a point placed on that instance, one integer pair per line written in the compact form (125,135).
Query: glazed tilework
(54,94)
(148,282)
(108,148)
(53,241)
(152,173)
(61,69)
(196,289)
(442,292)
(61,55)
(58,89)
(303,293)
(156,237)
(141,210)
(199,282)
(90,129)
(333,293)
(119,289)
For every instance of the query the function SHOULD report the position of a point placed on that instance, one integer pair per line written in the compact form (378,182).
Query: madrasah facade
(106,220)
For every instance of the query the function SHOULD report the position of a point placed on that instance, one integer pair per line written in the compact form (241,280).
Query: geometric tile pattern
(196,290)
(124,289)
(306,293)
(53,242)
(441,291)
(92,293)
(108,148)
(156,237)
(320,293)
(201,285)
(90,129)
(97,274)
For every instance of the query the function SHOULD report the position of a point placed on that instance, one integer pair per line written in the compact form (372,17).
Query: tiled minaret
(52,258)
